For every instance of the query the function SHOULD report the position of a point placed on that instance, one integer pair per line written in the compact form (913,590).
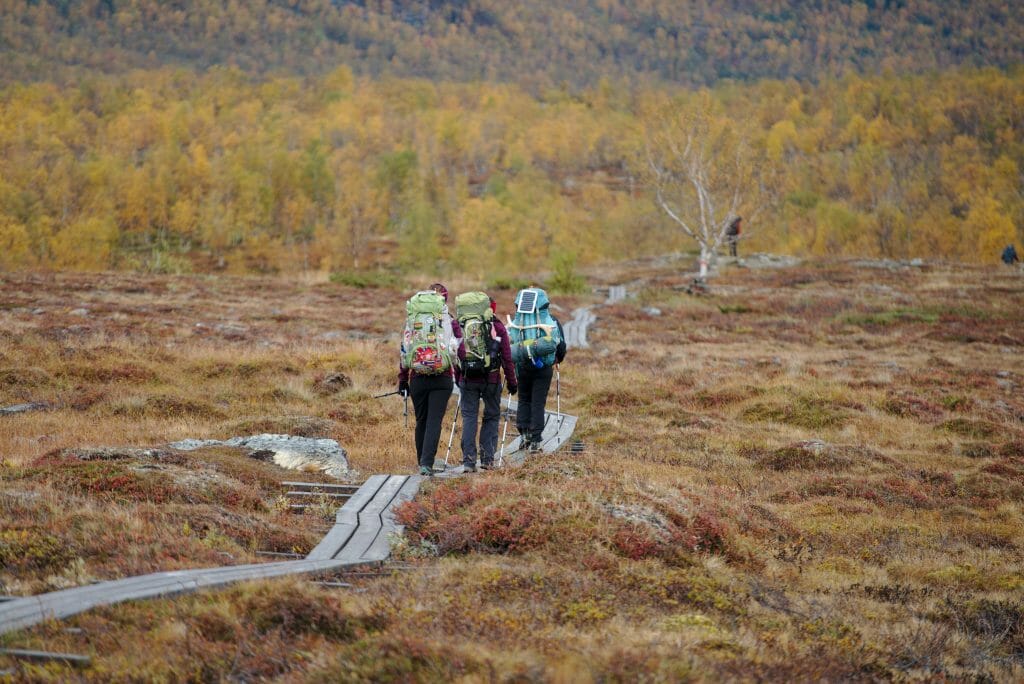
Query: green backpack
(428,340)
(473,309)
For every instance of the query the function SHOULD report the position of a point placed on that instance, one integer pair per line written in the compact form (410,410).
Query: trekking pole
(406,412)
(451,437)
(386,394)
(558,389)
(504,430)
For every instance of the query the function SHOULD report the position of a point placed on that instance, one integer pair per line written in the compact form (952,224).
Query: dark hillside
(533,42)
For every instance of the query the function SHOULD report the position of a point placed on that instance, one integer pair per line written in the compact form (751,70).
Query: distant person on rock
(1010,255)
(538,343)
(732,234)
(430,343)
(485,351)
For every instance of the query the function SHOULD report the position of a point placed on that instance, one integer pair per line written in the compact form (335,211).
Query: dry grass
(815,473)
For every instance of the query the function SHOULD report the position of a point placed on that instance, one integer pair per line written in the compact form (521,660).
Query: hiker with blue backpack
(538,344)
(484,353)
(430,343)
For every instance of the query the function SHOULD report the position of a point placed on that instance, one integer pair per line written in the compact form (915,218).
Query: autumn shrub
(989,488)
(467,517)
(636,542)
(32,549)
(24,376)
(127,372)
(293,609)
(803,411)
(707,398)
(1012,449)
(967,427)
(993,621)
(801,456)
(167,406)
(564,277)
(976,450)
(398,658)
(369,279)
(909,406)
(296,425)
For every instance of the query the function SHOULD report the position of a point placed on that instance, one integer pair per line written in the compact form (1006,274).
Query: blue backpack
(533,333)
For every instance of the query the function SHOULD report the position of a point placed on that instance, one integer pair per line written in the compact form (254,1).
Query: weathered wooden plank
(370,520)
(327,495)
(46,656)
(278,554)
(380,548)
(347,520)
(324,485)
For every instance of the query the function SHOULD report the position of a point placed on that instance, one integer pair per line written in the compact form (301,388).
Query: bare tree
(703,173)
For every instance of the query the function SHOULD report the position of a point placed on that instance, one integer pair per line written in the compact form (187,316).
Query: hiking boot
(426,472)
(486,466)
(469,468)
(533,448)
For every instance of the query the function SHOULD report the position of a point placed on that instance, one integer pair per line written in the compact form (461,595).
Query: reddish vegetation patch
(908,405)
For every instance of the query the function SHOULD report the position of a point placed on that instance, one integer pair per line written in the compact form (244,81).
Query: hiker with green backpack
(483,354)
(538,343)
(429,346)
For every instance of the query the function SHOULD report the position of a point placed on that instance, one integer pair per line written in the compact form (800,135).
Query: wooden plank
(380,548)
(323,485)
(278,554)
(46,656)
(32,610)
(333,585)
(370,521)
(347,520)
(327,495)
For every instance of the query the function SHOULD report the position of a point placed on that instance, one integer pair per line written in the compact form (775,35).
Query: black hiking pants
(534,384)
(732,246)
(472,394)
(430,402)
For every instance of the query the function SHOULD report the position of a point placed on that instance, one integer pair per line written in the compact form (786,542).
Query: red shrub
(635,542)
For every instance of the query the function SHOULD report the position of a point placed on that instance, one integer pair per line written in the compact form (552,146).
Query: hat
(441,290)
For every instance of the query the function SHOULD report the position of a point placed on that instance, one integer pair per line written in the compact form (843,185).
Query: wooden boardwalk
(576,329)
(361,534)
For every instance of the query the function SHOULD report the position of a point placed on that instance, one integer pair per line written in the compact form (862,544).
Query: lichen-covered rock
(287,451)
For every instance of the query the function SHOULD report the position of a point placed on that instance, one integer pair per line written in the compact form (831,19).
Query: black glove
(403,387)
(512,389)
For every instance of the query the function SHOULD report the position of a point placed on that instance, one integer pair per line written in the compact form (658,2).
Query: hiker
(429,342)
(732,234)
(485,351)
(1010,255)
(538,343)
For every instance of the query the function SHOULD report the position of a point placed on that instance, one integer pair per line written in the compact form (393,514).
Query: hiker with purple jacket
(484,354)
(426,369)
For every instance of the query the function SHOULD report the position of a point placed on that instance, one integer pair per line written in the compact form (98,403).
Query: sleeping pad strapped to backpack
(427,342)
(534,334)
(473,311)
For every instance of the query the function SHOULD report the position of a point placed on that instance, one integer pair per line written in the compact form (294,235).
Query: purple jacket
(494,377)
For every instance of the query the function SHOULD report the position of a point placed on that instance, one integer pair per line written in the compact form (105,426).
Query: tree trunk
(705,259)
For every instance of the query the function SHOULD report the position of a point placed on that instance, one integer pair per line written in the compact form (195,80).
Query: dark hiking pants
(732,247)
(430,401)
(472,393)
(534,384)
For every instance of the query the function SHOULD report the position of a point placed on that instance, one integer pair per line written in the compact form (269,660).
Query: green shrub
(565,279)
(368,279)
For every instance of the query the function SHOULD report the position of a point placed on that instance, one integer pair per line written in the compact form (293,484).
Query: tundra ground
(813,473)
